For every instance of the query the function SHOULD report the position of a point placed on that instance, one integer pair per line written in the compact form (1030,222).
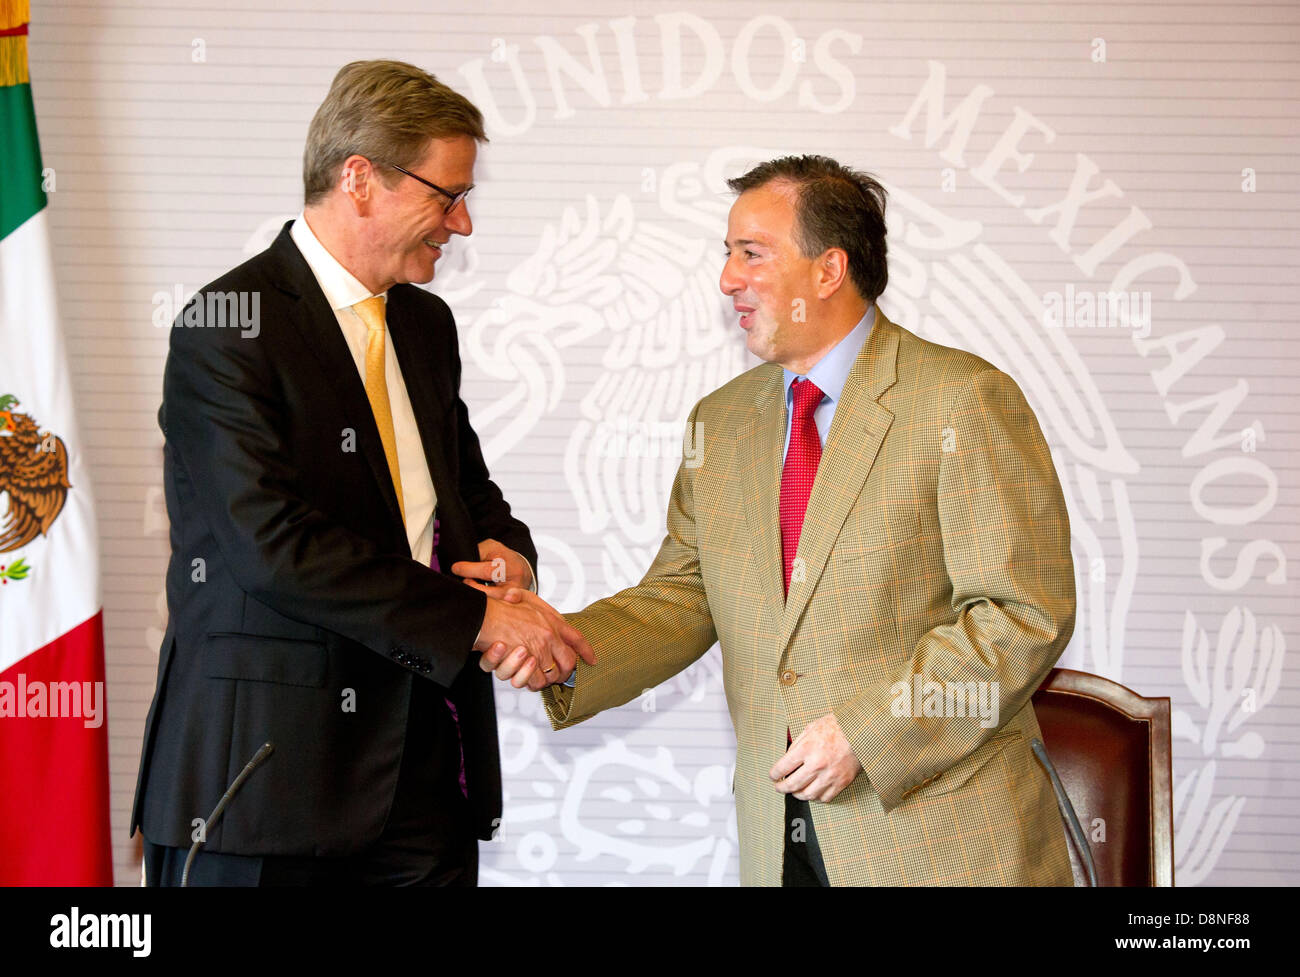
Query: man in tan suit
(871,527)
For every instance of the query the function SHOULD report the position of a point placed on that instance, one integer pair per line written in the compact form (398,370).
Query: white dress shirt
(342,291)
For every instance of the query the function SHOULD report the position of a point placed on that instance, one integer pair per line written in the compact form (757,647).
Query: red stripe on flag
(54,820)
(12,31)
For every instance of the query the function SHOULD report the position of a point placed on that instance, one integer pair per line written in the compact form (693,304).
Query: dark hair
(386,111)
(836,207)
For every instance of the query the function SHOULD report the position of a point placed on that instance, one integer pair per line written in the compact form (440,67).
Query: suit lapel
(318,326)
(759,453)
(432,413)
(855,437)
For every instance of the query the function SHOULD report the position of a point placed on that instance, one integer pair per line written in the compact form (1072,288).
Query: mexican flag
(54,824)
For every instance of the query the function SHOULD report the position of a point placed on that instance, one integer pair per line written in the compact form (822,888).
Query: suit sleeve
(645,634)
(225,418)
(1006,545)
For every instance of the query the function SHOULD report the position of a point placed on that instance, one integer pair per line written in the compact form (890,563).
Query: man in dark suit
(320,474)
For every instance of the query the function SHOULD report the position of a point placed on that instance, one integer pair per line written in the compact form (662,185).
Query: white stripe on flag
(61,589)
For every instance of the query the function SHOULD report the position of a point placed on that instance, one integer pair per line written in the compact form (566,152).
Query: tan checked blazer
(936,542)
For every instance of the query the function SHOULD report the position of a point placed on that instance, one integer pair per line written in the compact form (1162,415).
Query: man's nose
(729,283)
(458,221)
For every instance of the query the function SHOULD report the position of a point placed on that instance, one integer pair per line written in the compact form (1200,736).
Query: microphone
(1067,811)
(266,750)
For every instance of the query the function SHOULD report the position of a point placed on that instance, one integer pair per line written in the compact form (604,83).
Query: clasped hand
(523,638)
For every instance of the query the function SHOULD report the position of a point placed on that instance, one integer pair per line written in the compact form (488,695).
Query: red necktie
(801,460)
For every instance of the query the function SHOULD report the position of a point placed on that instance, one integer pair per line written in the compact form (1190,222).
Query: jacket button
(788,677)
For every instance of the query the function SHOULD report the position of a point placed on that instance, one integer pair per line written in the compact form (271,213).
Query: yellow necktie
(371,311)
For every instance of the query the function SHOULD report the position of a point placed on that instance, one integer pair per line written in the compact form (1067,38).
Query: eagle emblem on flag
(33,475)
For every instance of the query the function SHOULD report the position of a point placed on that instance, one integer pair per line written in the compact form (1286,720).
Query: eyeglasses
(452,198)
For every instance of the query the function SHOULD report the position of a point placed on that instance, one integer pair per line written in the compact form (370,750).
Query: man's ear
(356,182)
(832,271)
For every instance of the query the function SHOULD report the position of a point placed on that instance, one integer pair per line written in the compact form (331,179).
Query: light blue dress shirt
(830,374)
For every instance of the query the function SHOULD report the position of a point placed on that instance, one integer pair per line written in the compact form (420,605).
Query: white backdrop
(1037,155)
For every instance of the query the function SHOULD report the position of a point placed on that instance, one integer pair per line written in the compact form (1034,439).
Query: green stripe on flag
(21,195)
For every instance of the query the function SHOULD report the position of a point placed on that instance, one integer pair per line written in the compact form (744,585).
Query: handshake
(523,638)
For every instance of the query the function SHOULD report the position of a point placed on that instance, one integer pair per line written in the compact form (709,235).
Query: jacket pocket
(889,526)
(962,771)
(262,658)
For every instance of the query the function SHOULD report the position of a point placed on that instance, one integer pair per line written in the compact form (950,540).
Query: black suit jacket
(291,591)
